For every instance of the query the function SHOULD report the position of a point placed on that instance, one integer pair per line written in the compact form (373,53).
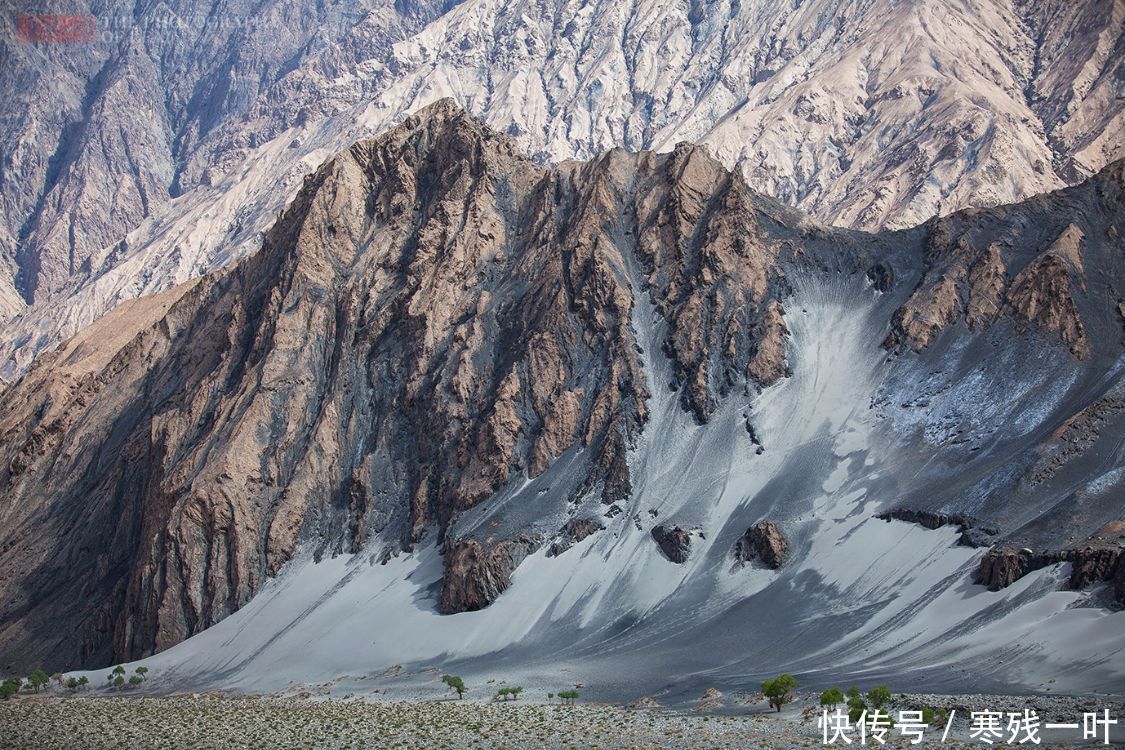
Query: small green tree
(879,696)
(135,680)
(72,684)
(569,695)
(832,697)
(143,672)
(856,704)
(119,681)
(38,679)
(779,690)
(83,681)
(550,697)
(455,683)
(119,669)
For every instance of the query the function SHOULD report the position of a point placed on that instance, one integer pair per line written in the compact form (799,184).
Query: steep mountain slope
(870,114)
(460,364)
(101,133)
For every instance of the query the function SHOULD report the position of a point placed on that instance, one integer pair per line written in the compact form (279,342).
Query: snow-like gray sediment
(859,597)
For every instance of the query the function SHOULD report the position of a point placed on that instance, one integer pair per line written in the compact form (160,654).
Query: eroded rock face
(477,572)
(762,542)
(674,542)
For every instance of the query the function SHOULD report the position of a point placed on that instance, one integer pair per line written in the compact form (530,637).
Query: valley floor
(212,721)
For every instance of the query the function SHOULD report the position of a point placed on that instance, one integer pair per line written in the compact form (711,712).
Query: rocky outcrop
(882,276)
(973,532)
(1000,568)
(1090,564)
(1077,435)
(674,542)
(977,273)
(762,542)
(476,572)
(573,532)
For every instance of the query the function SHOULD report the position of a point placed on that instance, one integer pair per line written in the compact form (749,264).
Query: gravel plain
(211,721)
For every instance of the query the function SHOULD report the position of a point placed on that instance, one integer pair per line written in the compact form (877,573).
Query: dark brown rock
(763,542)
(973,533)
(1000,568)
(674,542)
(1090,565)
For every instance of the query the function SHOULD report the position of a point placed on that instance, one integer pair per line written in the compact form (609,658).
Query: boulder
(674,542)
(763,542)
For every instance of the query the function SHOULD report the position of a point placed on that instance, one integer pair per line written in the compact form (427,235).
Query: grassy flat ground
(208,721)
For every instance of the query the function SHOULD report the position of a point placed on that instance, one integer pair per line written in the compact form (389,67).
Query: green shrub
(10,687)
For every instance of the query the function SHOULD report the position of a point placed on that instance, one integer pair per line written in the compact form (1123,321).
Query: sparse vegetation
(569,695)
(779,690)
(211,722)
(505,693)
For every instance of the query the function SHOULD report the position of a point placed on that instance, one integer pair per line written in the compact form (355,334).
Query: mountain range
(625,414)
(165,147)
